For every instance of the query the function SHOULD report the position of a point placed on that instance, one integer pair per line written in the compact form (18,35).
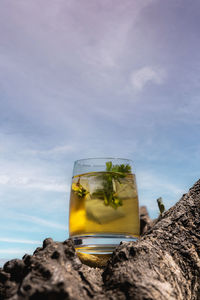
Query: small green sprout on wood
(161,205)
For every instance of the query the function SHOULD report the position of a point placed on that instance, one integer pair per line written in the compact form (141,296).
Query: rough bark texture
(163,264)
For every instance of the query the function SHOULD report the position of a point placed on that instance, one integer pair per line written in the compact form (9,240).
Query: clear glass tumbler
(104,206)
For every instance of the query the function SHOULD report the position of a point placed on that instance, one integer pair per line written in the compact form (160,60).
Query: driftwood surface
(163,264)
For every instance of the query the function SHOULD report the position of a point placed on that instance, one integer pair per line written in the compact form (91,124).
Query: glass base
(99,244)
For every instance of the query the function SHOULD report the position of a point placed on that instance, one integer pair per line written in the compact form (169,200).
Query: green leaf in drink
(108,192)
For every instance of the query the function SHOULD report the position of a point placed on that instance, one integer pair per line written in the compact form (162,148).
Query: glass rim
(112,158)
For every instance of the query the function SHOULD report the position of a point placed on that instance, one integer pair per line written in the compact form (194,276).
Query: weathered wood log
(145,222)
(162,264)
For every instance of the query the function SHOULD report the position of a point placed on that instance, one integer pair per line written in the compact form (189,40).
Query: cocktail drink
(103,205)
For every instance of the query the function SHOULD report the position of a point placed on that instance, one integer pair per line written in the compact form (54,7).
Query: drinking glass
(104,206)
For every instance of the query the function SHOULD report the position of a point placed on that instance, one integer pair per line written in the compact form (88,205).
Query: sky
(93,78)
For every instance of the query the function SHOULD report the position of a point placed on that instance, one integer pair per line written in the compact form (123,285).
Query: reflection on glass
(103,206)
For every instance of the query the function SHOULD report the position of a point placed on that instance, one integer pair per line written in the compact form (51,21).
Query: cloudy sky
(93,79)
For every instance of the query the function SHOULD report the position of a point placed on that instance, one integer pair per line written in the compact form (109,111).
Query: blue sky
(95,78)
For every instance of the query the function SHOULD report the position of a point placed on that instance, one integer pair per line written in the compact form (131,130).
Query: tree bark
(163,264)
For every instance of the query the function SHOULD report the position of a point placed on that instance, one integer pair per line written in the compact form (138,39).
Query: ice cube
(97,211)
(126,189)
(95,182)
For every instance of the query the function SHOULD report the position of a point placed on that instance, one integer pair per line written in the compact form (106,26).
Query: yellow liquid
(90,216)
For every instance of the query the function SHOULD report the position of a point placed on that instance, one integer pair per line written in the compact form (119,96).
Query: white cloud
(45,184)
(55,150)
(20,241)
(14,251)
(139,78)
(149,181)
(29,168)
(39,221)
(77,60)
(15,227)
(4,179)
